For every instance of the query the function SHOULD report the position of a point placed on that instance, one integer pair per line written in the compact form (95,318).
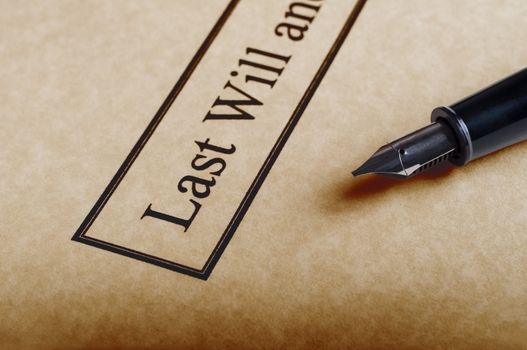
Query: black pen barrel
(489,120)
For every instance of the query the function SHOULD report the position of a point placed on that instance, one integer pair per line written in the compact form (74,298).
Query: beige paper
(287,250)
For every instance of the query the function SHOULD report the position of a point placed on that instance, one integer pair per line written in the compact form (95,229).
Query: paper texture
(272,244)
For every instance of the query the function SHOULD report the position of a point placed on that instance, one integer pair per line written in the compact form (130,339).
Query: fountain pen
(487,121)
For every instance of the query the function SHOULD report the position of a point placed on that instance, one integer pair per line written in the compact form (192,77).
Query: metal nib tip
(365,168)
(385,161)
(412,153)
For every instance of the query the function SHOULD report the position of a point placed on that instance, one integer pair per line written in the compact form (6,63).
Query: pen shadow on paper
(349,191)
(349,194)
(372,187)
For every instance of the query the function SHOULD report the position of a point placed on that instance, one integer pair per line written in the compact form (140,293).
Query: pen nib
(412,153)
(385,161)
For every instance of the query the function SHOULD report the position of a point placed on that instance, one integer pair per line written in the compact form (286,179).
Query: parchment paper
(320,259)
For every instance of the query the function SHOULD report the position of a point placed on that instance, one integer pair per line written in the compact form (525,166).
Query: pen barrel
(489,120)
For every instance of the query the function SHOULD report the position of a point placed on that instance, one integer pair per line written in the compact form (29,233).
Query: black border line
(204,273)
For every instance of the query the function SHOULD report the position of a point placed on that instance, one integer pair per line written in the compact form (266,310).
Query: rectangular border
(204,273)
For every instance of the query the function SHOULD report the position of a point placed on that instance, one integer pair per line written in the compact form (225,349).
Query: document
(178,175)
